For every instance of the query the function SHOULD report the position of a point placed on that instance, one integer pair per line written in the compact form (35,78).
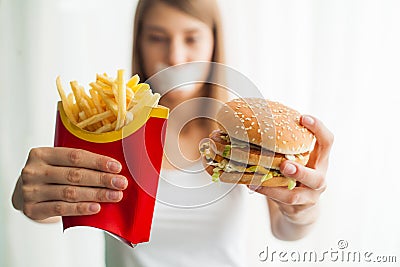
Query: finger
(43,210)
(297,196)
(83,177)
(72,157)
(324,141)
(69,193)
(323,135)
(312,178)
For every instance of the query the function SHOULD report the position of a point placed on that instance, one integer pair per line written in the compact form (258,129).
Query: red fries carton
(139,148)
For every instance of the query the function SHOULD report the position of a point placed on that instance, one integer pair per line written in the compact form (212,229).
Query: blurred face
(171,37)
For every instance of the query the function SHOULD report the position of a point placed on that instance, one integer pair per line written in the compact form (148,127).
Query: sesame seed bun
(255,136)
(265,123)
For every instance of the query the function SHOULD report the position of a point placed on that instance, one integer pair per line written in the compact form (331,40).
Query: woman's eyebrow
(192,30)
(155,28)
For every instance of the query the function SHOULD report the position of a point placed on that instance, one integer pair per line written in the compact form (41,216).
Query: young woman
(185,232)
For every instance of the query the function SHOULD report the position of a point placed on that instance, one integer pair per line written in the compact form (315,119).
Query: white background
(338,60)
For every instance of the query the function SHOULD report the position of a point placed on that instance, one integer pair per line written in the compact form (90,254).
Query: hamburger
(253,138)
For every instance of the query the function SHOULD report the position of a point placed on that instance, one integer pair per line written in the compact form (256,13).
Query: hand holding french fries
(111,103)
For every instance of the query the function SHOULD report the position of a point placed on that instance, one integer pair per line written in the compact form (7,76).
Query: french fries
(111,103)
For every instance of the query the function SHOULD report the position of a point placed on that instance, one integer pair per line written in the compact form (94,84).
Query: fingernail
(308,120)
(289,168)
(113,195)
(119,183)
(253,187)
(94,207)
(114,166)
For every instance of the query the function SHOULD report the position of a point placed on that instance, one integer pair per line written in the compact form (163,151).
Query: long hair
(206,11)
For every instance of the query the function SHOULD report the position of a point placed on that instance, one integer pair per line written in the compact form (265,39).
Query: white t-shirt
(196,222)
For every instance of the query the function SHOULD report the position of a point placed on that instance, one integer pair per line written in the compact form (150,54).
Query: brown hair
(206,11)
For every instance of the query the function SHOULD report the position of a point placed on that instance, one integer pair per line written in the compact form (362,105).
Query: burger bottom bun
(246,178)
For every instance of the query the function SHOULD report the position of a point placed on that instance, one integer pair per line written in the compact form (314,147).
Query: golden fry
(71,105)
(75,111)
(138,89)
(76,91)
(110,105)
(133,81)
(114,89)
(102,78)
(141,103)
(90,113)
(154,100)
(129,94)
(70,98)
(106,88)
(131,103)
(82,117)
(94,119)
(96,102)
(64,101)
(121,100)
(129,117)
(108,93)
(106,128)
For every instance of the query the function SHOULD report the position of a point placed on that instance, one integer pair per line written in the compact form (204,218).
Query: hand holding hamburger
(254,137)
(274,146)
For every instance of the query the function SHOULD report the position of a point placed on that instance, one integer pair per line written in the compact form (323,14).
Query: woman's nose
(177,53)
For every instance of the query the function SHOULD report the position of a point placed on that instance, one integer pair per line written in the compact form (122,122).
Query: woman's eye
(157,38)
(192,39)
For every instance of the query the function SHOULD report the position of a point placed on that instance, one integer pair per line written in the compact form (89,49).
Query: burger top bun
(265,123)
